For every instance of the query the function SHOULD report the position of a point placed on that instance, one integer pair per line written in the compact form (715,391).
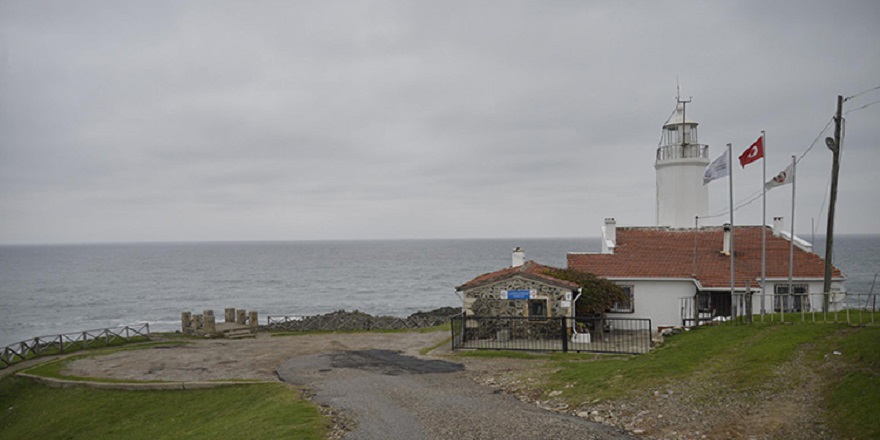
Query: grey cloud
(395,119)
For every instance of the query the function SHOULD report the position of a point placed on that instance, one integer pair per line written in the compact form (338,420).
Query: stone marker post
(253,321)
(198,322)
(240,317)
(210,322)
(230,314)
(186,324)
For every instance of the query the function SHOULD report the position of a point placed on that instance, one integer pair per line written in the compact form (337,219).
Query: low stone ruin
(237,323)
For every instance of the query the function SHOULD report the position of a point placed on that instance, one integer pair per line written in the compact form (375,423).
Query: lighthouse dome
(679,117)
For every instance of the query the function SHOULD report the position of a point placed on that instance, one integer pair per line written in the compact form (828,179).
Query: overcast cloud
(182,121)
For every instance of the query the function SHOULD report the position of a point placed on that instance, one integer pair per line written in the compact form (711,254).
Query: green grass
(70,347)
(424,351)
(502,354)
(743,359)
(53,368)
(743,355)
(30,410)
(853,396)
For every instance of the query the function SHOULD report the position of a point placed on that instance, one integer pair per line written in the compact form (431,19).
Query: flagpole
(791,244)
(732,229)
(763,226)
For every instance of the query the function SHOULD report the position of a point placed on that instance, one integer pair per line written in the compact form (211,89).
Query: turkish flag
(753,153)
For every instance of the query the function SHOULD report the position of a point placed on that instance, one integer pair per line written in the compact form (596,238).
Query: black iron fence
(583,334)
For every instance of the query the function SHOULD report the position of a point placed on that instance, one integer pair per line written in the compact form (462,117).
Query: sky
(130,121)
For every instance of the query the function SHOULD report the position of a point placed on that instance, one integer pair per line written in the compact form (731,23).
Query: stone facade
(487,300)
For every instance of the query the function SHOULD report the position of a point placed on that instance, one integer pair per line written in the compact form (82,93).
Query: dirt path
(396,392)
(220,359)
(376,383)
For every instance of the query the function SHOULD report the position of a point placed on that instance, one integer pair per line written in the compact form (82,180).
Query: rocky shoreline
(352,321)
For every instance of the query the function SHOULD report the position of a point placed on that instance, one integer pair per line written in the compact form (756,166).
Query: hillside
(800,380)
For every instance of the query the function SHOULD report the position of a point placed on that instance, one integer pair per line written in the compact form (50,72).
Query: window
(625,306)
(537,309)
(704,302)
(798,301)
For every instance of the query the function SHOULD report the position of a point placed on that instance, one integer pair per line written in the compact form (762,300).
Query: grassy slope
(744,357)
(853,399)
(741,356)
(30,410)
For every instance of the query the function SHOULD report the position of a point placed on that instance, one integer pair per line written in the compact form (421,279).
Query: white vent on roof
(609,236)
(518,258)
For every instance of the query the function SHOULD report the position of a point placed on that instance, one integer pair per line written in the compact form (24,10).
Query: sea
(47,290)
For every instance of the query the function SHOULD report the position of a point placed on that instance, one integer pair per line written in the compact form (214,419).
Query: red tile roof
(659,252)
(530,270)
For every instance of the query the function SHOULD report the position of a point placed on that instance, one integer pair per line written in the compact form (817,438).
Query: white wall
(657,300)
(681,194)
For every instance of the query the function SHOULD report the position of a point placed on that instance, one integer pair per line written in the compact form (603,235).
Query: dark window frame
(629,306)
(537,309)
(799,301)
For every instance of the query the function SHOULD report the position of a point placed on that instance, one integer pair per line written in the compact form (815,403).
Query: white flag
(717,169)
(784,176)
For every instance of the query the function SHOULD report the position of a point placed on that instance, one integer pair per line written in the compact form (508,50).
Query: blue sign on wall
(519,294)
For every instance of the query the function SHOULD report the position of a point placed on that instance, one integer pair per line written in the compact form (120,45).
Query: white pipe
(574,311)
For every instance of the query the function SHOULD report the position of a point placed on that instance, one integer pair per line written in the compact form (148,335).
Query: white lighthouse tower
(680,164)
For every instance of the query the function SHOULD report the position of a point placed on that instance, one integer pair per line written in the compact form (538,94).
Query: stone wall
(486,300)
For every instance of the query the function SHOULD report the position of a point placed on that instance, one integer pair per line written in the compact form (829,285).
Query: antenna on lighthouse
(683,104)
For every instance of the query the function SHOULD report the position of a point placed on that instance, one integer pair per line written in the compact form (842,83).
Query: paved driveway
(394,396)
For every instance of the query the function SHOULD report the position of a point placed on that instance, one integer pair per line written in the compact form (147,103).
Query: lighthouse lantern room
(679,166)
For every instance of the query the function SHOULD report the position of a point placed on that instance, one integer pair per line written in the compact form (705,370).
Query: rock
(638,431)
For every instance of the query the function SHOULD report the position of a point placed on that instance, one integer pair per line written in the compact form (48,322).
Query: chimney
(778,225)
(518,258)
(609,236)
(726,249)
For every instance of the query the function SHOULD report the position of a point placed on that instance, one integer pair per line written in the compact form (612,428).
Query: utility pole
(834,146)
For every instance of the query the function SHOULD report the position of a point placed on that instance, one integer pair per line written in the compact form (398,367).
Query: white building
(674,273)
(680,163)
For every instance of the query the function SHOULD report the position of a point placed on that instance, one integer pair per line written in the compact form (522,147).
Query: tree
(598,294)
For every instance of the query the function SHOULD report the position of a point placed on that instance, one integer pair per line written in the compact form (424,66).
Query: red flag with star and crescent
(753,153)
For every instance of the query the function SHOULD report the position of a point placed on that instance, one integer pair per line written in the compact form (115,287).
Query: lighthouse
(680,163)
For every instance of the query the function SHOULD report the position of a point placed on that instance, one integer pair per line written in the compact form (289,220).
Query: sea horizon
(59,288)
(820,238)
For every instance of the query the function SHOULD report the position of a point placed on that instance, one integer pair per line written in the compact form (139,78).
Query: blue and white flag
(717,169)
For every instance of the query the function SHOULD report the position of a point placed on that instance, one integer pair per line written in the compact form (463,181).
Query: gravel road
(394,396)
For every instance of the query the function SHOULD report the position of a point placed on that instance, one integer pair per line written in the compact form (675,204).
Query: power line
(860,93)
(748,200)
(863,107)
(816,140)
